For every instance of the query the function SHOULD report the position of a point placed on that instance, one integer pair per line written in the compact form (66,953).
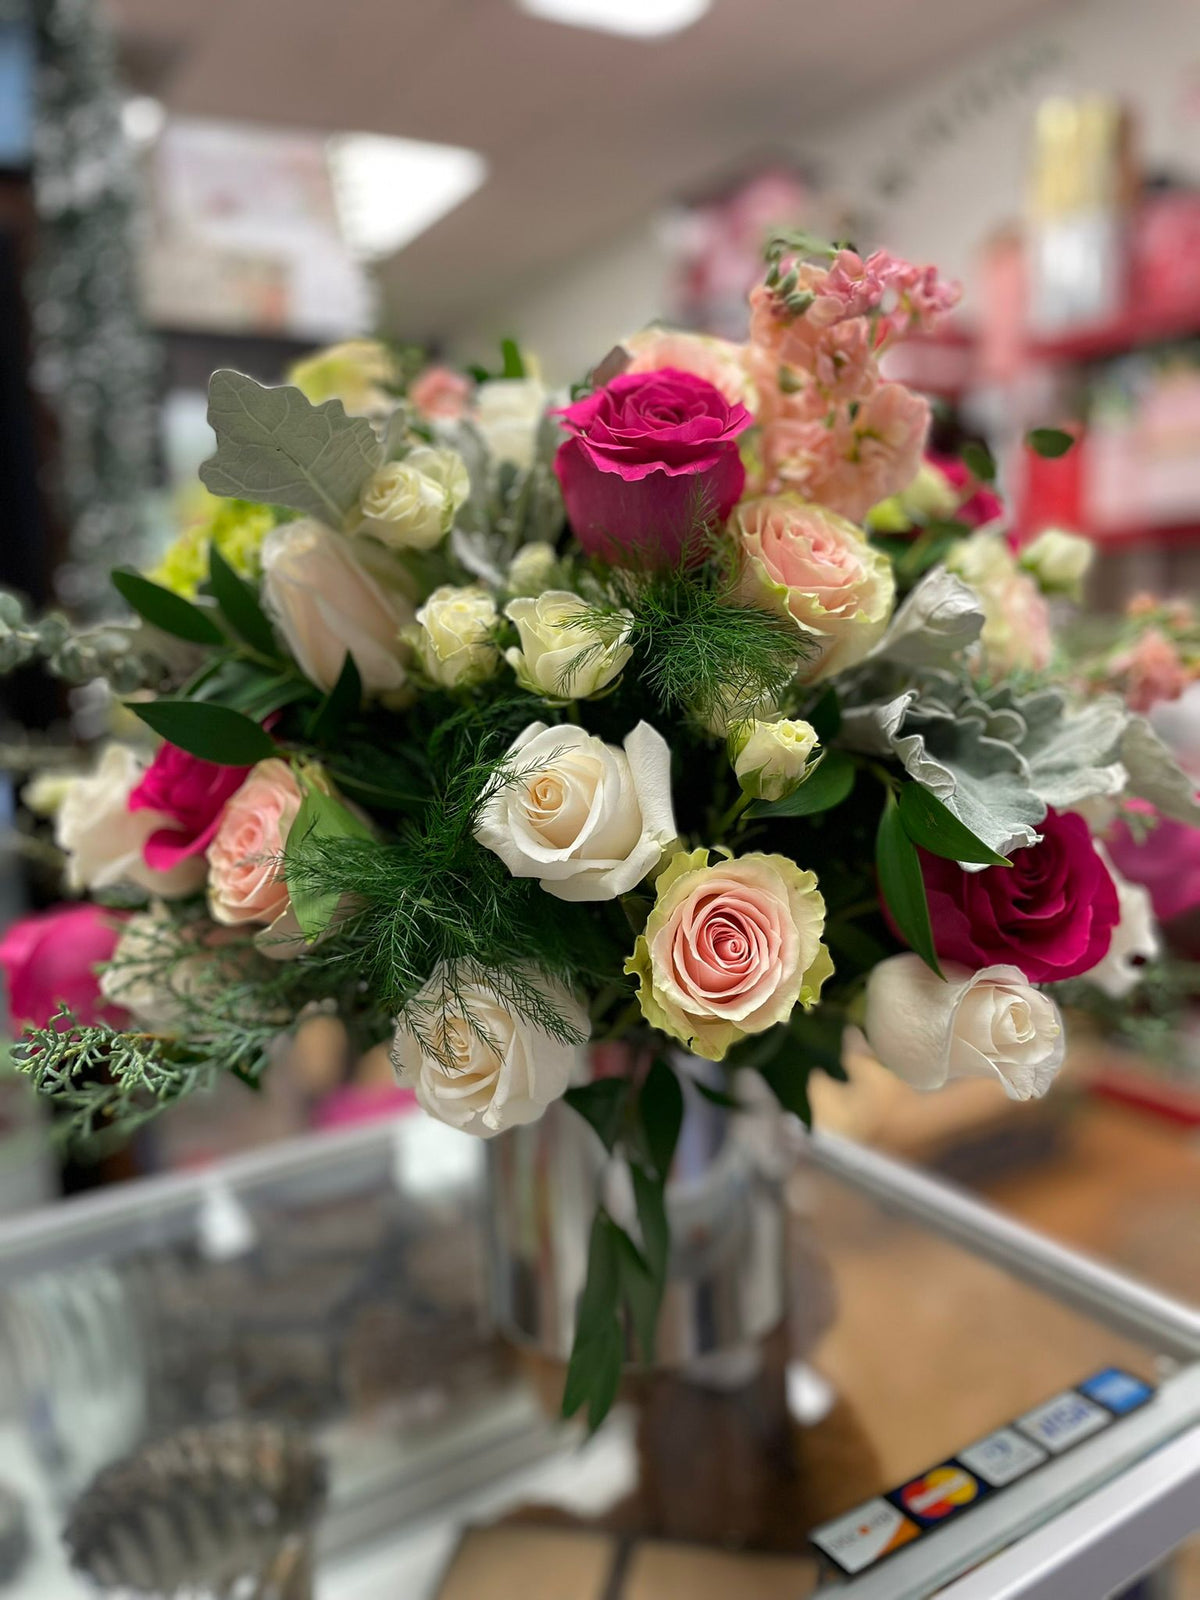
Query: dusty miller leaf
(1155,775)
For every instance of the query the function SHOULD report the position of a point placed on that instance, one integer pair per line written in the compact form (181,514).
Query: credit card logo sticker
(863,1536)
(1003,1457)
(1063,1421)
(1120,1392)
(938,1494)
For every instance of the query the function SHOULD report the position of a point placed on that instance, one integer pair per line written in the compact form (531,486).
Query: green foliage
(930,824)
(166,610)
(321,818)
(902,884)
(829,782)
(602,1106)
(339,705)
(1049,442)
(239,605)
(977,458)
(207,730)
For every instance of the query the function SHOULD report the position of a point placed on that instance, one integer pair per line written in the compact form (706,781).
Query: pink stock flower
(876,455)
(50,959)
(1152,669)
(1051,913)
(1166,861)
(653,460)
(440,392)
(922,298)
(192,793)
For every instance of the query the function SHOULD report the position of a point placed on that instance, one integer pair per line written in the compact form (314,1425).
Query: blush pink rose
(244,882)
(192,793)
(1151,670)
(440,392)
(1166,861)
(50,959)
(806,563)
(652,462)
(1052,913)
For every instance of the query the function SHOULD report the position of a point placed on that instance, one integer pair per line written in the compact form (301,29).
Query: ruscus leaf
(342,702)
(1049,442)
(239,605)
(601,1105)
(165,609)
(211,732)
(977,458)
(823,789)
(660,1110)
(930,824)
(902,884)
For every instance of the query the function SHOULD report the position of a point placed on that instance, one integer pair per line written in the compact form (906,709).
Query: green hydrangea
(236,527)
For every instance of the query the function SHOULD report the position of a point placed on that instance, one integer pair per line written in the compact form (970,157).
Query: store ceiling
(584,132)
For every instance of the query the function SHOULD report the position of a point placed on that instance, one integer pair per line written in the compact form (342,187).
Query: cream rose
(1016,632)
(476,1064)
(533,568)
(508,413)
(729,949)
(327,602)
(586,819)
(804,562)
(105,841)
(769,758)
(245,882)
(161,969)
(1135,937)
(721,362)
(987,1024)
(560,657)
(1059,561)
(358,372)
(453,636)
(411,504)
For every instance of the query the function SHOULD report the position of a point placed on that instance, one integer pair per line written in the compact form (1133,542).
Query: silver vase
(725,1204)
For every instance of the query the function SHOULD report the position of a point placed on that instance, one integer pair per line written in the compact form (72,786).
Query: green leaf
(660,1111)
(826,715)
(211,732)
(602,1105)
(902,885)
(787,1078)
(1049,442)
(716,1097)
(328,721)
(642,1293)
(598,1342)
(320,816)
(165,609)
(239,604)
(930,824)
(825,787)
(273,446)
(977,458)
(514,361)
(650,1195)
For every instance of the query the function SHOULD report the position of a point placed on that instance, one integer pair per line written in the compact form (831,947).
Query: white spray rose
(105,841)
(587,819)
(508,413)
(411,504)
(769,758)
(476,1064)
(453,636)
(1059,561)
(1135,937)
(561,658)
(326,602)
(533,568)
(986,1024)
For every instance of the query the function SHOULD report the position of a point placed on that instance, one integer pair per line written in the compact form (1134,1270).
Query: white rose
(453,636)
(477,1065)
(586,819)
(561,657)
(326,602)
(770,757)
(1134,940)
(533,568)
(985,1024)
(508,412)
(160,968)
(1059,561)
(105,841)
(411,504)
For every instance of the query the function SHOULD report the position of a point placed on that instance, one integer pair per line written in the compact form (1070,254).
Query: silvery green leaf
(938,620)
(1155,775)
(1074,754)
(275,447)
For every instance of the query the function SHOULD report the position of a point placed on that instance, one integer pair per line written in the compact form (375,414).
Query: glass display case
(1031,1418)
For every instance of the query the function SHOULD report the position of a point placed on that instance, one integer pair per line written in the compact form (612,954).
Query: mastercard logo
(939,1493)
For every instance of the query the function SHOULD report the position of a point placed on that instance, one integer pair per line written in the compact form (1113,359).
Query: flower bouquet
(686,711)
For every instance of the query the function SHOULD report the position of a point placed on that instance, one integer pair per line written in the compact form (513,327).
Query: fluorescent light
(641,19)
(390,190)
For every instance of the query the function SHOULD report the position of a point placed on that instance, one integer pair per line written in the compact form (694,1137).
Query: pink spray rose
(1052,912)
(51,958)
(192,793)
(440,392)
(1166,861)
(653,460)
(1151,670)
(245,883)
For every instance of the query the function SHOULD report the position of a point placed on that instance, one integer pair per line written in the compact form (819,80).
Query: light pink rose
(720,361)
(729,949)
(440,392)
(807,563)
(245,882)
(1151,670)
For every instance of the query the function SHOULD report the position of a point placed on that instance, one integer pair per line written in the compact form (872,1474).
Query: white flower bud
(769,758)
(532,569)
(453,636)
(562,657)
(1059,561)
(411,504)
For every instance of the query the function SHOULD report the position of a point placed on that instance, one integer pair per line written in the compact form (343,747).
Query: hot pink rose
(720,361)
(981,504)
(193,794)
(1052,913)
(440,392)
(1166,861)
(51,959)
(245,883)
(653,461)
